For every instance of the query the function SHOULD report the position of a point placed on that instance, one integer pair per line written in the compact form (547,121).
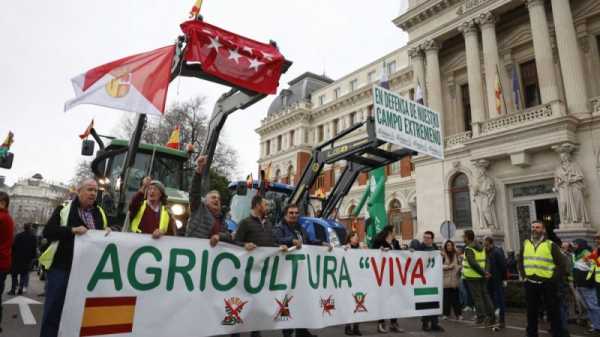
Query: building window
(352,118)
(277,175)
(353,84)
(466,105)
(395,167)
(531,87)
(391,68)
(395,216)
(336,126)
(461,201)
(279,141)
(292,135)
(371,76)
(411,94)
(320,133)
(321,99)
(320,183)
(337,92)
(290,175)
(268,148)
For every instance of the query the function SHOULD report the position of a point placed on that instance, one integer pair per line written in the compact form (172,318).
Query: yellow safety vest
(48,255)
(163,224)
(594,271)
(470,273)
(538,261)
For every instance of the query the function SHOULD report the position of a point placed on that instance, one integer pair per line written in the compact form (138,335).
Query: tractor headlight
(177,209)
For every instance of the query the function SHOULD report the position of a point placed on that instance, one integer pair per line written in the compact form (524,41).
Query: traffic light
(7,160)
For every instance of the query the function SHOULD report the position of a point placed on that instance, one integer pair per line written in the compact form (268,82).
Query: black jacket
(24,251)
(53,231)
(497,261)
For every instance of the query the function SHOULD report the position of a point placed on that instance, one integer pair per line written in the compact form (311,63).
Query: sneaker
(437,328)
(20,292)
(381,328)
(395,328)
(24,290)
(467,309)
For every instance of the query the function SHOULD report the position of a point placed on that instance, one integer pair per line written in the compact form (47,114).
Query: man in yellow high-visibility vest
(476,272)
(73,218)
(542,267)
(148,211)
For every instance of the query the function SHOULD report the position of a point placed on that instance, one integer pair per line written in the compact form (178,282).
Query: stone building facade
(33,200)
(536,155)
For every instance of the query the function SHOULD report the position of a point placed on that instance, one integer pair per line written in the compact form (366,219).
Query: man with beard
(541,265)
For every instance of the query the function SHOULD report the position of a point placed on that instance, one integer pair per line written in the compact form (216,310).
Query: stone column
(469,30)
(434,79)
(492,66)
(544,59)
(419,70)
(570,57)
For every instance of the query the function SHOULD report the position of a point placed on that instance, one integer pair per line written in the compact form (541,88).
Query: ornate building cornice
(422,13)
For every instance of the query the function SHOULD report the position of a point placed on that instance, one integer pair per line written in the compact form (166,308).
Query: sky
(46,43)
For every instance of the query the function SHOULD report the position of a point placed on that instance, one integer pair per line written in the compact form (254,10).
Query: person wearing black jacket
(495,284)
(385,240)
(24,251)
(429,323)
(62,227)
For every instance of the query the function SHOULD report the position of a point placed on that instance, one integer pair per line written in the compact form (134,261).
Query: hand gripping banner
(133,285)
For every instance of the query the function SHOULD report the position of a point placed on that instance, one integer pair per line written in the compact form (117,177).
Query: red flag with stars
(244,62)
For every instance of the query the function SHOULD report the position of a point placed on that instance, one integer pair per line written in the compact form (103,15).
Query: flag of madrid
(135,83)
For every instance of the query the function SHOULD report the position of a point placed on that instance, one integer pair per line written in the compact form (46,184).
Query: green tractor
(118,181)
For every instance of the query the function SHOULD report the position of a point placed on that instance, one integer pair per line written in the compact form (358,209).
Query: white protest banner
(404,122)
(132,285)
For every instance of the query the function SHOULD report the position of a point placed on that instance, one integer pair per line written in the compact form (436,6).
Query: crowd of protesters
(561,280)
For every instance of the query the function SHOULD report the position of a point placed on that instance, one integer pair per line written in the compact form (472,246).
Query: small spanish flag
(320,193)
(174,139)
(8,141)
(87,131)
(249,181)
(196,9)
(107,315)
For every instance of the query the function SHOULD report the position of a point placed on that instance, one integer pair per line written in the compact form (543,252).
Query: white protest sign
(406,123)
(132,285)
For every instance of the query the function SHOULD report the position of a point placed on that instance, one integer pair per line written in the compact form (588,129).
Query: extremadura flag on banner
(128,283)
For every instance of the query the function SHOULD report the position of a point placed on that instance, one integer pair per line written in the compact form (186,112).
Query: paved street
(14,326)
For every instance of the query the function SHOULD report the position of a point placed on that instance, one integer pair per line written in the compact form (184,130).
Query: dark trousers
(429,321)
(20,280)
(496,291)
(2,280)
(451,301)
(481,298)
(56,290)
(548,291)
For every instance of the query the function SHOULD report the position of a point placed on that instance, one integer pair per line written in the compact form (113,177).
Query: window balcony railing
(519,119)
(458,139)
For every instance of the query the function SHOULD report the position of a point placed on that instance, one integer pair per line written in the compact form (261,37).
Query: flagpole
(501,88)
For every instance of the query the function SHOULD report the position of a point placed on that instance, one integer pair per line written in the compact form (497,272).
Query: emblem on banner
(328,305)
(359,299)
(233,310)
(283,309)
(119,86)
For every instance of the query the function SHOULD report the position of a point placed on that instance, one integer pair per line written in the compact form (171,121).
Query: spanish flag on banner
(174,142)
(196,9)
(107,315)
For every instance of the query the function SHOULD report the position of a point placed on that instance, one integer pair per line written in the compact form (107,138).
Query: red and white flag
(246,63)
(137,83)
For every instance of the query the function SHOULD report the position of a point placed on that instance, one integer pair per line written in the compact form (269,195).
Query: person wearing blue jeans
(585,285)
(56,290)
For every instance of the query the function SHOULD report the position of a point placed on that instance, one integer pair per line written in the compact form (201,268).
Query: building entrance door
(529,202)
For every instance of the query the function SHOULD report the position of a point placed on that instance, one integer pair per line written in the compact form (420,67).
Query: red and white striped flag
(137,83)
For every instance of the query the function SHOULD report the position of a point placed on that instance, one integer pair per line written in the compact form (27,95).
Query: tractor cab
(161,163)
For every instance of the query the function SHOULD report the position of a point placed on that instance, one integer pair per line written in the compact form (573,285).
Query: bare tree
(83,170)
(192,119)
